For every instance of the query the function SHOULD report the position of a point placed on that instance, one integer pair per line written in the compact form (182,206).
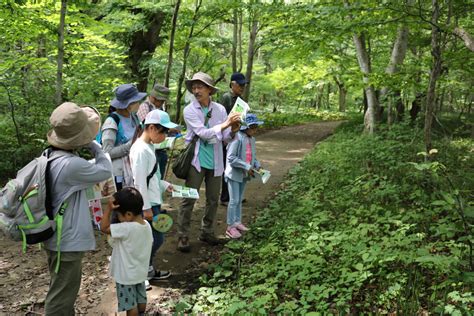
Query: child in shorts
(131,240)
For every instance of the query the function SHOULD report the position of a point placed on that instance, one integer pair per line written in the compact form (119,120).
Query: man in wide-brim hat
(69,176)
(208,121)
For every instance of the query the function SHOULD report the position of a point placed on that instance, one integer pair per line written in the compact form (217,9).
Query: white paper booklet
(263,174)
(102,190)
(168,143)
(241,107)
(185,192)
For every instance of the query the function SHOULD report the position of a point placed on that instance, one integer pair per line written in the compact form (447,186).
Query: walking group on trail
(124,148)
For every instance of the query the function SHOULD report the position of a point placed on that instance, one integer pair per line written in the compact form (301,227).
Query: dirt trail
(24,277)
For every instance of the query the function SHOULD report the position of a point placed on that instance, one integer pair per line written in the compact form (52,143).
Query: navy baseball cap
(239,78)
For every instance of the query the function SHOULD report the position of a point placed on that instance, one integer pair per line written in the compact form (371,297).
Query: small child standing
(131,241)
(241,162)
(147,177)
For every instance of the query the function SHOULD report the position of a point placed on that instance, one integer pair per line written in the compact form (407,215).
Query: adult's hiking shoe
(211,239)
(183,244)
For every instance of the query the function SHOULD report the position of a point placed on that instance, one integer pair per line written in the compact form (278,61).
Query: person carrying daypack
(69,176)
(118,131)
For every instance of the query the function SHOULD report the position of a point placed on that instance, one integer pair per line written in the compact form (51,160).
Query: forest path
(24,278)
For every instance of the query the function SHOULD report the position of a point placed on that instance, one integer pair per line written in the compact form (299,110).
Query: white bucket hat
(73,126)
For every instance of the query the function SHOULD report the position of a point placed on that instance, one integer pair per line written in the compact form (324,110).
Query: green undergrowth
(364,225)
(295,116)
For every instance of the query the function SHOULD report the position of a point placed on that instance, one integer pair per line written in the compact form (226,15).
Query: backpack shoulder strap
(115,116)
(51,154)
(152,173)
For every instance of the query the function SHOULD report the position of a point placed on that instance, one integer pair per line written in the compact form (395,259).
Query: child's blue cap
(250,119)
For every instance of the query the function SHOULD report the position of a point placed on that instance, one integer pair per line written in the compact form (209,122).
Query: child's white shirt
(142,161)
(131,242)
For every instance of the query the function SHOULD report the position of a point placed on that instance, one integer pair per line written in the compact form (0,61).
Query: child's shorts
(129,296)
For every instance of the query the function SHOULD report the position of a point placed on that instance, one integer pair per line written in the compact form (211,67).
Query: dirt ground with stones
(24,277)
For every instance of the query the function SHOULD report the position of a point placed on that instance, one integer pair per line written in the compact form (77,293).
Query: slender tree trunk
(171,48)
(12,112)
(319,98)
(59,73)
(241,62)
(342,94)
(435,72)
(186,51)
(235,40)
(328,103)
(250,57)
(398,55)
(363,59)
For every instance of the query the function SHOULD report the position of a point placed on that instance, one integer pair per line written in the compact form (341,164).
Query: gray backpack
(26,212)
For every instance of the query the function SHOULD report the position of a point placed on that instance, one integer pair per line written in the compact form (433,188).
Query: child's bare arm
(105,222)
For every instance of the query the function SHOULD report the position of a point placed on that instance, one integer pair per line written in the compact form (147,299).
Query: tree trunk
(398,55)
(171,48)
(186,51)
(363,59)
(12,112)
(434,74)
(319,98)
(342,94)
(328,103)
(59,73)
(143,46)
(235,38)
(241,62)
(250,57)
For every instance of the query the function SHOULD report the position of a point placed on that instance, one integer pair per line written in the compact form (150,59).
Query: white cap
(159,117)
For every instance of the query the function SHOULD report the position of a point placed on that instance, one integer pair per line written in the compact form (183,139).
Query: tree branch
(465,36)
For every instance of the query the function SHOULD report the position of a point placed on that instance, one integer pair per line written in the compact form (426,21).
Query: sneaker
(233,233)
(158,275)
(210,239)
(183,244)
(147,285)
(241,227)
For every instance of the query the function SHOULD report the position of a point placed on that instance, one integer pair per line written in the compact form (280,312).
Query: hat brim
(170,125)
(189,84)
(88,133)
(161,98)
(158,96)
(242,81)
(244,127)
(124,104)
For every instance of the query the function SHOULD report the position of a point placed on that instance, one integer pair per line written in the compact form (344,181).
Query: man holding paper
(208,161)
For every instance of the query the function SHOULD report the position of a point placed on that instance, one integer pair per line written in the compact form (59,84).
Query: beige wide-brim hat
(204,78)
(73,126)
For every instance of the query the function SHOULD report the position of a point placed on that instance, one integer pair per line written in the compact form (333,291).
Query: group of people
(225,146)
